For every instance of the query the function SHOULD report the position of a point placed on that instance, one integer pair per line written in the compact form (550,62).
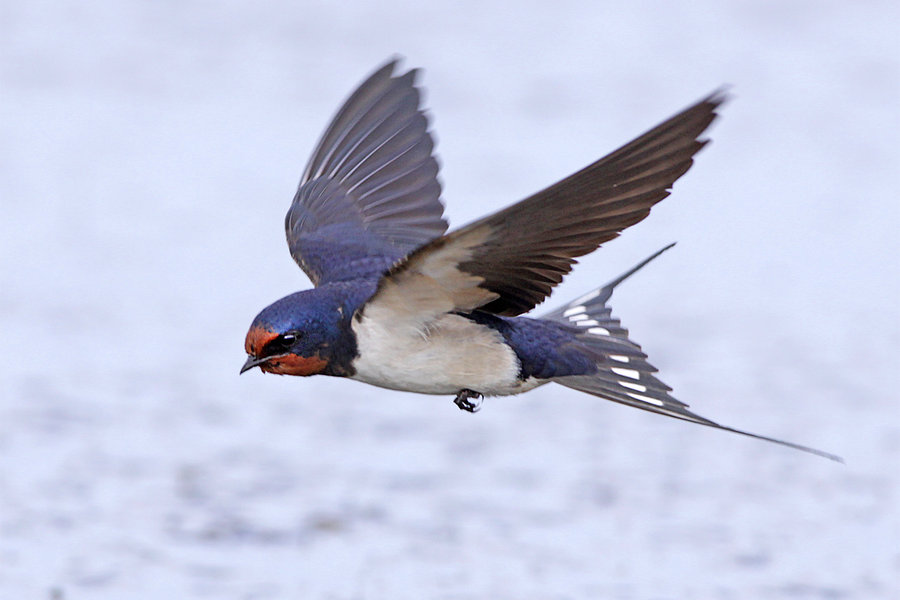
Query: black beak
(252,361)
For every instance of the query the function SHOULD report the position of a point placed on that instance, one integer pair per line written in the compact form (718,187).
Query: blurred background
(148,153)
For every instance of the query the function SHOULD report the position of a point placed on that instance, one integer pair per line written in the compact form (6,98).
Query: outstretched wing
(508,262)
(369,194)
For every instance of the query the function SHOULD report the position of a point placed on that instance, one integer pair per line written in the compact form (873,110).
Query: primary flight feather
(402,304)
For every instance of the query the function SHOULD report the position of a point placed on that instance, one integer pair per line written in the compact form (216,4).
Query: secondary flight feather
(401,303)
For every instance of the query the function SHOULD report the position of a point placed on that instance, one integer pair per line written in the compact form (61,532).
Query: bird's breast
(450,354)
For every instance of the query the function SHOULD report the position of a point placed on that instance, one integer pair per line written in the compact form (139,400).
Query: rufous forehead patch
(257,338)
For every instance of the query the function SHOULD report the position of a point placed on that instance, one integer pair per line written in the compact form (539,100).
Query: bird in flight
(400,303)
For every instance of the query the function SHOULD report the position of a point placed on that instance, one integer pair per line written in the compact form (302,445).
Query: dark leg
(463,401)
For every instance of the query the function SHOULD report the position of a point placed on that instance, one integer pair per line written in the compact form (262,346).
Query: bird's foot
(464,401)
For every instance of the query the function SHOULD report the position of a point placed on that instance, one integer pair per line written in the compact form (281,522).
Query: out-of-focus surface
(148,152)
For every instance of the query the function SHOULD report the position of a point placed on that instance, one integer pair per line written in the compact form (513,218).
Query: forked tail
(623,374)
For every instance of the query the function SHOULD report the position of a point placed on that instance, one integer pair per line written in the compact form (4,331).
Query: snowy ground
(148,152)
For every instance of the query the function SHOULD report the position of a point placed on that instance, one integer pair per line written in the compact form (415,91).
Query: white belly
(452,354)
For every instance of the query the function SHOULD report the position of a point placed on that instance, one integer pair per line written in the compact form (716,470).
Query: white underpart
(451,353)
(409,338)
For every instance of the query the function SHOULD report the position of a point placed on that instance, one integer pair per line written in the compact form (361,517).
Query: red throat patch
(291,364)
(288,364)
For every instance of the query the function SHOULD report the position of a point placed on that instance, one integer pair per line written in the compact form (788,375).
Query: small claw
(463,401)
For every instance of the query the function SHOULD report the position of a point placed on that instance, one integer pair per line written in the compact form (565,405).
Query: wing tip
(721,95)
(392,69)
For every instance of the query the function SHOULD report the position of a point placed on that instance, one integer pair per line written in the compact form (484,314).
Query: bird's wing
(508,262)
(370,193)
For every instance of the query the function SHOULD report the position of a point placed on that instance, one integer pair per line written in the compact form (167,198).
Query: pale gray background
(148,152)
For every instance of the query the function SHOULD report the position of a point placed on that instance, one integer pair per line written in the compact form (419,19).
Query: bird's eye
(282,343)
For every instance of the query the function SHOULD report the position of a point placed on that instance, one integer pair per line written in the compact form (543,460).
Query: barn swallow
(401,304)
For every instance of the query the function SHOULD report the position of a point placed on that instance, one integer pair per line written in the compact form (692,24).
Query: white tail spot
(574,311)
(630,373)
(634,386)
(646,399)
(598,331)
(576,318)
(619,357)
(588,323)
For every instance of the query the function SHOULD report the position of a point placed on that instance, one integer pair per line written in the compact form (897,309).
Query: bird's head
(297,335)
